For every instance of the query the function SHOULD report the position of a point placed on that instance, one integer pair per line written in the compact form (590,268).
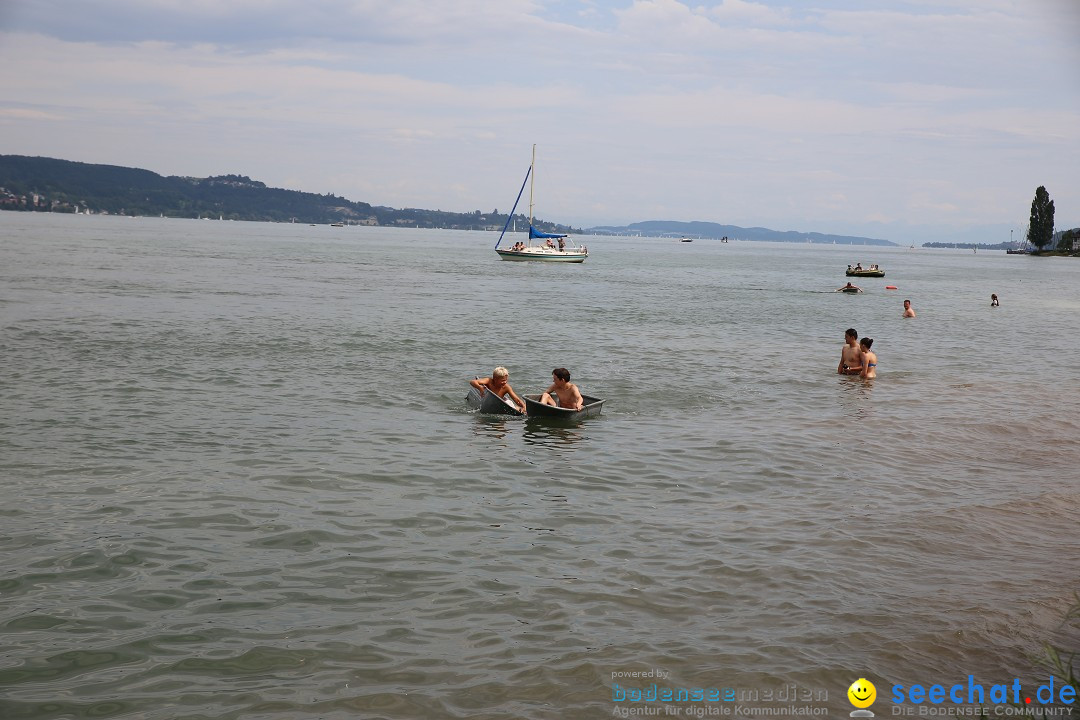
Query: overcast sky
(907,120)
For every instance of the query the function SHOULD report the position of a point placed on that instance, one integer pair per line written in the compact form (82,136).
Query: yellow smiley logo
(862,693)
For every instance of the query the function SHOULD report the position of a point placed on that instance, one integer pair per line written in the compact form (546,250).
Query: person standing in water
(908,310)
(850,355)
(869,359)
(993,300)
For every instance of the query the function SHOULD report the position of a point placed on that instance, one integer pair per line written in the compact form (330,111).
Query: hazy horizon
(902,120)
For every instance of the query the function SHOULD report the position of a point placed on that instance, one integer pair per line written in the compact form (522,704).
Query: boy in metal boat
(566,393)
(851,355)
(498,384)
(908,310)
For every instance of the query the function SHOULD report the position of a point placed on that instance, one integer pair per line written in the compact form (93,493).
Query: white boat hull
(543,254)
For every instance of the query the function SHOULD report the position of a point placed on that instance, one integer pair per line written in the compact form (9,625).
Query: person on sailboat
(499,384)
(562,244)
(566,393)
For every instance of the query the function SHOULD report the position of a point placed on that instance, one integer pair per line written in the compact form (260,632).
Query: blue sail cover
(534,233)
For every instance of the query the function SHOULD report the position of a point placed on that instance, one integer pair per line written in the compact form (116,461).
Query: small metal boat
(534,408)
(490,403)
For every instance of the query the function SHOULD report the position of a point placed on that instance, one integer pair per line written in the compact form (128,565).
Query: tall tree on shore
(1041,224)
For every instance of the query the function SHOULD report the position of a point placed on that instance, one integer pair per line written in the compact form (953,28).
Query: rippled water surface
(241,481)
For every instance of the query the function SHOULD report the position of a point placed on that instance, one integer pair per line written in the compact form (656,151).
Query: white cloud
(28,114)
(752,13)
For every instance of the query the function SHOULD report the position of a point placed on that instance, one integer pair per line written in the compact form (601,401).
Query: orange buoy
(890,287)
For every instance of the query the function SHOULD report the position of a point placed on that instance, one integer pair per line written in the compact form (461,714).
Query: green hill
(47,184)
(51,185)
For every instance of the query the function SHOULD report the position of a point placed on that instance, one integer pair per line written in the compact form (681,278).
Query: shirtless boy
(498,384)
(566,393)
(851,355)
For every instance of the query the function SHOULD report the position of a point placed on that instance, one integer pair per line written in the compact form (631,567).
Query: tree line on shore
(53,185)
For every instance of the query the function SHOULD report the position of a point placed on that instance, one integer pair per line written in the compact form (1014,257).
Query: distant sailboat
(1024,248)
(547,251)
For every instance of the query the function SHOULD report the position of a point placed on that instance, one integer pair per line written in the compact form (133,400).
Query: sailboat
(1024,248)
(547,250)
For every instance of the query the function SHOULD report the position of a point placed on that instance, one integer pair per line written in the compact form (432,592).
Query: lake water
(241,481)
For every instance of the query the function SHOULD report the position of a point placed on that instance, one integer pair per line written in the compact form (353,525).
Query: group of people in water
(561,393)
(856,357)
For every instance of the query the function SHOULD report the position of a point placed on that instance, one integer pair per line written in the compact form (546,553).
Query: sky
(907,120)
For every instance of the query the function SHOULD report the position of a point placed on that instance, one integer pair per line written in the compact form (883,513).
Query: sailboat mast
(532,179)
